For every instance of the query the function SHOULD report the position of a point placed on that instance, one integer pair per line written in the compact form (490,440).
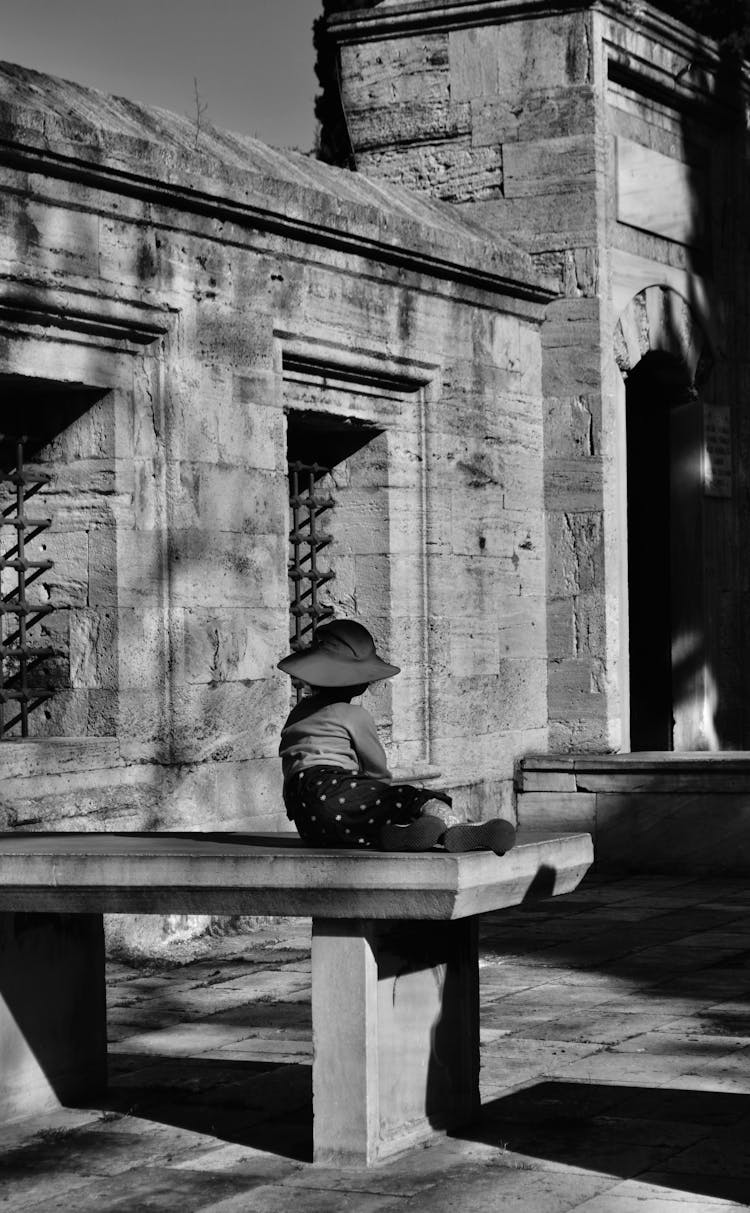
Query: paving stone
(593,1067)
(679,1041)
(152,1188)
(275,1199)
(637,1197)
(725,1189)
(239,1160)
(181,1040)
(514,1189)
(256,1048)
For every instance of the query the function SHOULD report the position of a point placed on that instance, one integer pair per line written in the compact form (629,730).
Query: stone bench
(395,984)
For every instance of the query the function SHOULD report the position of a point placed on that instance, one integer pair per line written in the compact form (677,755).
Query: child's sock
(496,835)
(438,808)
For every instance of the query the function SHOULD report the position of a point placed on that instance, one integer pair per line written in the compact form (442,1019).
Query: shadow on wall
(688,635)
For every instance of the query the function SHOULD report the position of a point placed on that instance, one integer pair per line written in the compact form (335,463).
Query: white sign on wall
(717,451)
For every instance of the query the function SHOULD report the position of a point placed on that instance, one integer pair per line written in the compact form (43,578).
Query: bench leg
(395,1034)
(53,1032)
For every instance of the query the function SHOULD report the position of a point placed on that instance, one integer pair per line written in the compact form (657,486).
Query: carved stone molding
(35,312)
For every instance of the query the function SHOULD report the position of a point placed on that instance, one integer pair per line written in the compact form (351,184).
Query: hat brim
(325,670)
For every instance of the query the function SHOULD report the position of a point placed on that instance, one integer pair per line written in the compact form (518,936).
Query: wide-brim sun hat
(342,654)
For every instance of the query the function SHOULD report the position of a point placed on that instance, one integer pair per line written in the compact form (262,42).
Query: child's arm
(372,759)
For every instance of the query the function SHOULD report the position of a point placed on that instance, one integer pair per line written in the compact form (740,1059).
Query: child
(337,787)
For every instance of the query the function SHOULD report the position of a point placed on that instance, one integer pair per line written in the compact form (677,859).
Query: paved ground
(616,1075)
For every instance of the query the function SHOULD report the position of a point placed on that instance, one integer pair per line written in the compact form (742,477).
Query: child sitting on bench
(338,790)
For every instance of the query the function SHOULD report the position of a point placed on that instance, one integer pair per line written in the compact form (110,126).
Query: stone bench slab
(275,874)
(395,975)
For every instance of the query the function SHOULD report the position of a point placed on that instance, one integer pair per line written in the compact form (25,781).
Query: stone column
(395,1034)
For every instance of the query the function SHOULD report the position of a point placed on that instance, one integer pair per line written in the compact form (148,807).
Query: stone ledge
(652,771)
(27,757)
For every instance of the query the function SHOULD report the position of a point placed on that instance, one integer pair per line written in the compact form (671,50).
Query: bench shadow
(266,1106)
(631,1132)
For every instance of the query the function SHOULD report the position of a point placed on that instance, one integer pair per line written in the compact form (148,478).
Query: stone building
(610,141)
(492,381)
(185,314)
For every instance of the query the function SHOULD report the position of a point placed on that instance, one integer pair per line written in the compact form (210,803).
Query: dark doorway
(664,546)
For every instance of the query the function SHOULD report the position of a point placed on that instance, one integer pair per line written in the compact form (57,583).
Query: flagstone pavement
(615,1074)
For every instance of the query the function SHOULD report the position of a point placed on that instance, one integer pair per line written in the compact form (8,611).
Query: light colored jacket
(319,732)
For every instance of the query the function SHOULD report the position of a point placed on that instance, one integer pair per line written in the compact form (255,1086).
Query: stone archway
(665,359)
(660,318)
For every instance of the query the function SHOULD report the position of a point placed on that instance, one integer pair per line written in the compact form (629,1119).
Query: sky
(253,59)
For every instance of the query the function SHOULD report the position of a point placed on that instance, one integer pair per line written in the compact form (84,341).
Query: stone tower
(611,142)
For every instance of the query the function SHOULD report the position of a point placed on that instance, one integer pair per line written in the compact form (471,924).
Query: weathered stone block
(481,526)
(88,432)
(495,754)
(576,552)
(94,648)
(521,627)
(363,520)
(571,348)
(28,758)
(574,485)
(538,223)
(454,172)
(544,115)
(565,165)
(228,720)
(66,714)
(407,122)
(475,652)
(103,589)
(557,811)
(463,586)
(572,425)
(561,632)
(379,73)
(518,57)
(250,793)
(227,645)
(512,698)
(61,240)
(229,498)
(586,734)
(591,623)
(576,690)
(547,781)
(67,582)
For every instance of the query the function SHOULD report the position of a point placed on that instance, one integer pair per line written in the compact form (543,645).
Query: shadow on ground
(267,1106)
(623,1130)
(638,989)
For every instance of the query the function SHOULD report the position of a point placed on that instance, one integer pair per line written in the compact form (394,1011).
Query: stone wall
(188,295)
(540,124)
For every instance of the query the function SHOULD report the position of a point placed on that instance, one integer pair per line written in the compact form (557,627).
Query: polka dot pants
(332,807)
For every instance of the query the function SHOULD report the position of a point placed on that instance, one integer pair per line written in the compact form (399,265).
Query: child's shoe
(419,835)
(496,835)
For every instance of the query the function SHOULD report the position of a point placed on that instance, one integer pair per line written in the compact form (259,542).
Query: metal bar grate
(21,661)
(308,504)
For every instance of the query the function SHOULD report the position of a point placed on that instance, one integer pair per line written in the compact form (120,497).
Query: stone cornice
(412,16)
(383,21)
(239,203)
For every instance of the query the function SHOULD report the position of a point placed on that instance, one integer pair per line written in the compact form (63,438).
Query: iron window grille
(307,538)
(21,659)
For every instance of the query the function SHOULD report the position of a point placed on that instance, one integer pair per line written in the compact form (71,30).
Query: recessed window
(317,445)
(24,657)
(310,502)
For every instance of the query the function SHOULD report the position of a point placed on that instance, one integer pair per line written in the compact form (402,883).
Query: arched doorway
(663,356)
